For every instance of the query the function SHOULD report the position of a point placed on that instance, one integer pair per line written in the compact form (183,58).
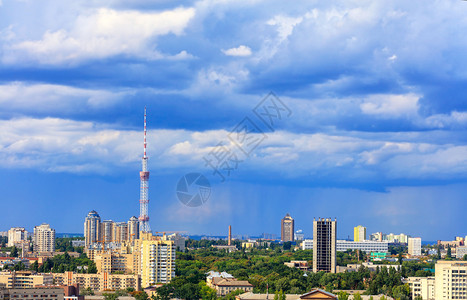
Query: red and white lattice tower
(144,196)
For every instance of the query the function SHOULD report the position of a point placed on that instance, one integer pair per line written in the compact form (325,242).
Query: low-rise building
(99,282)
(422,287)
(316,294)
(24,279)
(223,286)
(461,252)
(298,264)
(342,246)
(42,293)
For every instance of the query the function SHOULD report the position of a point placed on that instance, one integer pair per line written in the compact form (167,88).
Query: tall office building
(92,228)
(44,238)
(287,229)
(157,262)
(415,246)
(133,229)
(359,233)
(17,235)
(324,245)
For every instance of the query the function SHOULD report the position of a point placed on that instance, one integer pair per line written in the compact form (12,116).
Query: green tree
(357,296)
(14,252)
(110,296)
(439,252)
(342,295)
(206,292)
(448,255)
(399,258)
(165,292)
(465,257)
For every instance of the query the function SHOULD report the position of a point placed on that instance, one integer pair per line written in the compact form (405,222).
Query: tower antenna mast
(144,196)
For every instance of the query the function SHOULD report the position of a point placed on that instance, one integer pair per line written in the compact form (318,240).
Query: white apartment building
(415,246)
(44,238)
(461,251)
(17,235)
(343,245)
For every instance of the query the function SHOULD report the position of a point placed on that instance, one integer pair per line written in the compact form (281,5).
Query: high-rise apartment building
(17,235)
(415,246)
(133,229)
(92,228)
(107,229)
(450,280)
(44,238)
(120,232)
(359,233)
(287,229)
(157,262)
(324,245)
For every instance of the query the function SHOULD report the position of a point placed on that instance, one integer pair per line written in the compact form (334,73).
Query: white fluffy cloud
(241,50)
(102,33)
(390,105)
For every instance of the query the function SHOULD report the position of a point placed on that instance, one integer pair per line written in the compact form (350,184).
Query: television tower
(144,197)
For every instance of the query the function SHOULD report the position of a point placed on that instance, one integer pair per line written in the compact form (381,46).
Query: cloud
(390,105)
(241,50)
(100,34)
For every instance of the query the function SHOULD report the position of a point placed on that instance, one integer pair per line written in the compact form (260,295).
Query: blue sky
(376,89)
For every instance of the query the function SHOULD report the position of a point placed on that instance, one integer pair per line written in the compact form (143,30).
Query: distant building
(24,279)
(377,236)
(133,229)
(299,235)
(324,245)
(107,230)
(98,282)
(179,241)
(225,283)
(359,233)
(78,243)
(461,251)
(92,228)
(415,246)
(44,238)
(316,294)
(287,229)
(298,264)
(450,280)
(17,235)
(343,245)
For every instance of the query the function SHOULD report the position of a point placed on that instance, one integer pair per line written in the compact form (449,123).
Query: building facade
(287,229)
(24,279)
(157,262)
(98,282)
(450,280)
(415,246)
(17,235)
(423,287)
(342,246)
(359,233)
(324,245)
(92,228)
(42,293)
(44,238)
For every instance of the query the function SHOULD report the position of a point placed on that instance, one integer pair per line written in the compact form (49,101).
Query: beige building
(44,238)
(24,279)
(422,287)
(157,262)
(98,282)
(113,262)
(42,293)
(92,228)
(287,229)
(450,280)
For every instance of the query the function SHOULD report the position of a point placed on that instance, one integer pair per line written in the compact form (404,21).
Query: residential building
(287,229)
(16,236)
(92,228)
(324,245)
(377,236)
(298,264)
(44,238)
(299,235)
(316,294)
(225,283)
(422,287)
(157,262)
(43,293)
(24,279)
(343,245)
(98,282)
(133,229)
(461,252)
(114,262)
(107,229)
(359,233)
(120,232)
(179,241)
(450,280)
(415,246)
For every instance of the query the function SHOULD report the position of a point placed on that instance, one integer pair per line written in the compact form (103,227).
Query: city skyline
(374,132)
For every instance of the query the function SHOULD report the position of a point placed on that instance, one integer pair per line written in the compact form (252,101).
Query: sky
(355,110)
